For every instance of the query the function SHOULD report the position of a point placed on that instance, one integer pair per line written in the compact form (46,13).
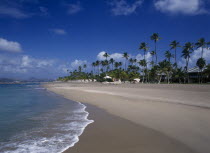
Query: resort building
(194,74)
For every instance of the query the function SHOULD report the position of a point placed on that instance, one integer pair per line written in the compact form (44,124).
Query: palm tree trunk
(202,53)
(160,79)
(201,75)
(168,76)
(146,74)
(125,64)
(187,70)
(175,58)
(145,67)
(156,52)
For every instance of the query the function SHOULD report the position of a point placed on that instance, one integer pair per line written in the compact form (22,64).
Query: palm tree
(145,48)
(116,65)
(85,66)
(143,63)
(168,55)
(164,67)
(106,55)
(188,49)
(179,74)
(126,56)
(155,37)
(111,61)
(98,64)
(131,61)
(120,64)
(134,61)
(202,43)
(107,68)
(152,53)
(102,65)
(101,70)
(207,71)
(106,63)
(201,63)
(174,44)
(133,68)
(93,65)
(80,68)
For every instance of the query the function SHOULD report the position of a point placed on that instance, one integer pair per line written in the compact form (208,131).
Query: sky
(45,38)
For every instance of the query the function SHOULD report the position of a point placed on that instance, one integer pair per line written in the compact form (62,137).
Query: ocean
(34,120)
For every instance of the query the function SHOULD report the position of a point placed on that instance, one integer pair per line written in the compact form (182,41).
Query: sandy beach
(142,118)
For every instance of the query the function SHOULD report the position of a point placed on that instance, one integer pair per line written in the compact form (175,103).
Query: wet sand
(153,118)
(111,134)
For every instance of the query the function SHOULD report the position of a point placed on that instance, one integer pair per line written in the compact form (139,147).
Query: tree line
(154,71)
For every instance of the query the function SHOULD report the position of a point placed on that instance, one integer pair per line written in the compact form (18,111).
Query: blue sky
(43,38)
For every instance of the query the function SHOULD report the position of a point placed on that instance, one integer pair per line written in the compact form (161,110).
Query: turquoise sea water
(33,120)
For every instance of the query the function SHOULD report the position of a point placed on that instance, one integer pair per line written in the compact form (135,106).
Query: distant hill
(18,81)
(38,80)
(7,80)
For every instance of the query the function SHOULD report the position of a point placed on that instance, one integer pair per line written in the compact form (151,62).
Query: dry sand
(177,116)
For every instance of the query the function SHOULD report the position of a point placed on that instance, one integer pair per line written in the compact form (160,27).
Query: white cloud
(19,9)
(25,61)
(148,57)
(44,10)
(76,63)
(121,7)
(195,56)
(100,55)
(24,66)
(188,7)
(63,68)
(74,8)
(13,9)
(59,31)
(119,56)
(12,12)
(9,46)
(29,62)
(115,56)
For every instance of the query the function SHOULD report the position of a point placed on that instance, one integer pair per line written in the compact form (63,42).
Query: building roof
(107,77)
(195,70)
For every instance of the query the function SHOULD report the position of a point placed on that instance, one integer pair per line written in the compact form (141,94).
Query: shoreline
(122,136)
(77,140)
(131,103)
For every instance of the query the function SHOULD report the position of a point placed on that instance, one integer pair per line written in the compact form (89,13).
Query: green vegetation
(165,71)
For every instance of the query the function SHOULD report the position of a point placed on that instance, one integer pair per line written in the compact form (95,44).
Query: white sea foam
(66,137)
